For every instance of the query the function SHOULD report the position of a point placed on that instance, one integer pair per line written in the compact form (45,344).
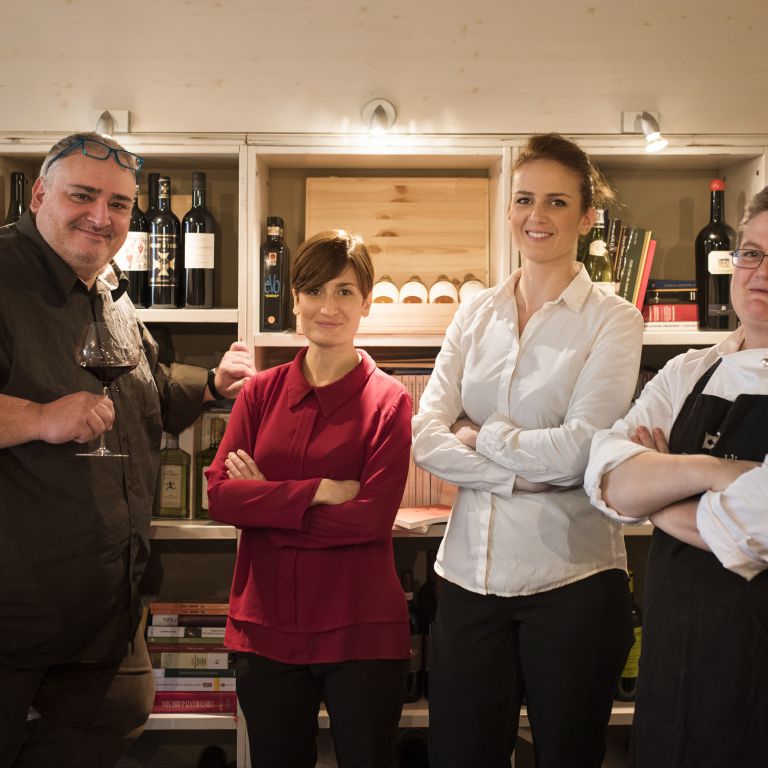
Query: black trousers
(281,702)
(563,649)
(89,713)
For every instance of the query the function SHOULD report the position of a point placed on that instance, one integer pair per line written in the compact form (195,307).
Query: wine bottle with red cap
(713,266)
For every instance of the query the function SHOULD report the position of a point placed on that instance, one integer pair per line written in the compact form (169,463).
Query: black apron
(702,697)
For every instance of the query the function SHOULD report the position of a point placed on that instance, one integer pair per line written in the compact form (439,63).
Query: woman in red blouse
(312,469)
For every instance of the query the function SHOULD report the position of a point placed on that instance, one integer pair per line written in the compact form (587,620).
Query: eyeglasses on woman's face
(747,258)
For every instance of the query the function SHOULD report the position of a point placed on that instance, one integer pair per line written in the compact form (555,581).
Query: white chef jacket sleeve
(611,447)
(602,393)
(435,448)
(734,524)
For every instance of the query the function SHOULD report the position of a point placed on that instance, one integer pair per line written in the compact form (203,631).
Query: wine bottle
(152,180)
(443,291)
(274,278)
(132,256)
(199,236)
(714,267)
(16,205)
(413,681)
(165,259)
(469,287)
(597,261)
(628,679)
(172,481)
(202,462)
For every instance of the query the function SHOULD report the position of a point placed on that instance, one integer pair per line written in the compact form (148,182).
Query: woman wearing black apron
(691,455)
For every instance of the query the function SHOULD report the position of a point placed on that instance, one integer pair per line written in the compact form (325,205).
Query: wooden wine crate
(413,319)
(412,226)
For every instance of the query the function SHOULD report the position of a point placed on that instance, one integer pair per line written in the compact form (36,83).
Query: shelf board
(644,529)
(683,338)
(191,722)
(215,315)
(293,339)
(190,529)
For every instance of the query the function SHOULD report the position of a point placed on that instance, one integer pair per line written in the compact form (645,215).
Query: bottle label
(204,488)
(719,263)
(132,256)
(198,250)
(633,660)
(270,259)
(597,248)
(163,250)
(171,477)
(274,232)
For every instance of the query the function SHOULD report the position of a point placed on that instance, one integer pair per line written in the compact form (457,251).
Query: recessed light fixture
(378,116)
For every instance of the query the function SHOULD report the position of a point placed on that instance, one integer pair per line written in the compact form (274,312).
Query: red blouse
(316,583)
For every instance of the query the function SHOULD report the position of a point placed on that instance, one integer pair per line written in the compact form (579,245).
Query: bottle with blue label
(275,288)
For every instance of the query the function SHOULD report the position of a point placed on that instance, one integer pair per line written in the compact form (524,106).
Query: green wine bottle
(203,460)
(171,493)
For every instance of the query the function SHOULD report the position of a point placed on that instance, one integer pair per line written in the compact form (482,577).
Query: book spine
(653,313)
(672,325)
(177,672)
(188,660)
(187,620)
(185,646)
(195,684)
(182,632)
(216,702)
(217,609)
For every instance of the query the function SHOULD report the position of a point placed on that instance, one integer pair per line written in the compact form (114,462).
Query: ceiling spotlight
(646,123)
(654,141)
(378,116)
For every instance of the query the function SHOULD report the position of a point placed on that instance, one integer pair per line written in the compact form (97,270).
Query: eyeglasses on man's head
(100,151)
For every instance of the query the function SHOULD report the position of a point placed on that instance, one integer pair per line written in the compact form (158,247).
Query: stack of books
(192,668)
(632,249)
(671,304)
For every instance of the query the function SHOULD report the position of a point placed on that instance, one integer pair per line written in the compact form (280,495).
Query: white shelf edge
(191,722)
(681,338)
(188,315)
(190,529)
(289,339)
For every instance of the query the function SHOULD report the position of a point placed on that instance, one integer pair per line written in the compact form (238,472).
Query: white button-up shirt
(734,522)
(538,399)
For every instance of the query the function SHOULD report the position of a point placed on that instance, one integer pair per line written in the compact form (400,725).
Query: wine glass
(107,352)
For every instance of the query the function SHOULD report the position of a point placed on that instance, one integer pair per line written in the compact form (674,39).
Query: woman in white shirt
(536,600)
(691,456)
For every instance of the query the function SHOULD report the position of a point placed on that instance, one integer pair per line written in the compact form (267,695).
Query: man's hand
(335,491)
(466,432)
(235,368)
(240,466)
(80,417)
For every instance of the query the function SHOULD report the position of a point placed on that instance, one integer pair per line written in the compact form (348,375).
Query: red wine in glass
(108,352)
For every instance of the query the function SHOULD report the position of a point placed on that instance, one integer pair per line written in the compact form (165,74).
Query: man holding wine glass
(73,530)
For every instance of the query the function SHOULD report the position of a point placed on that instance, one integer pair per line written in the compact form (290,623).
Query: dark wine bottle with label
(152,179)
(274,278)
(628,679)
(166,262)
(199,237)
(713,266)
(16,205)
(132,257)
(413,681)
